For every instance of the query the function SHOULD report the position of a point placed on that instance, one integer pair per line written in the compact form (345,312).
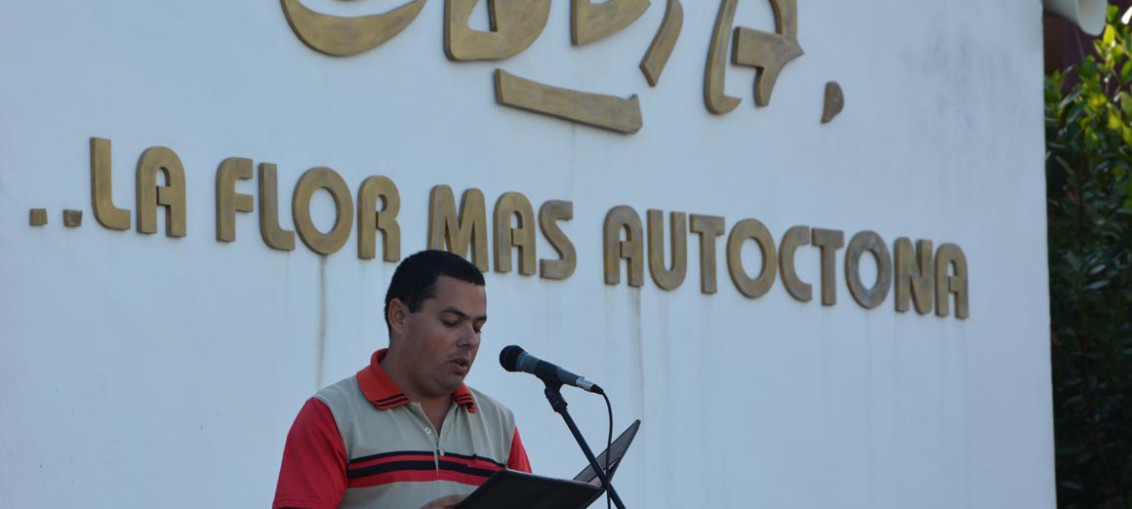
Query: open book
(509,489)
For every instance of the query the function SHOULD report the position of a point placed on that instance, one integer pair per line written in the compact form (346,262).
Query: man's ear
(398,314)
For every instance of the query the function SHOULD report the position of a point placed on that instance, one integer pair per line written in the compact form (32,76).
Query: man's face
(441,339)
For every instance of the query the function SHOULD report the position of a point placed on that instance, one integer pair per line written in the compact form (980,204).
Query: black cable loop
(608,446)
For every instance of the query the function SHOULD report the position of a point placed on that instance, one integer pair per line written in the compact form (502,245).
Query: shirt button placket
(435,457)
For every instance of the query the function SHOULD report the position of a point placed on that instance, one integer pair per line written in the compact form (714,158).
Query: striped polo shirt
(361,443)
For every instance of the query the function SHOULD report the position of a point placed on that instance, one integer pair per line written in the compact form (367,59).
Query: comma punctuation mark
(834,102)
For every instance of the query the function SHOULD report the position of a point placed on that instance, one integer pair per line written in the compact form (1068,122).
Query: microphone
(514,358)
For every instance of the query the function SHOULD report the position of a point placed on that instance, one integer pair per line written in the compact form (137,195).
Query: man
(405,432)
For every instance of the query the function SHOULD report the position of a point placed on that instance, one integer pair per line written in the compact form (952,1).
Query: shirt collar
(380,390)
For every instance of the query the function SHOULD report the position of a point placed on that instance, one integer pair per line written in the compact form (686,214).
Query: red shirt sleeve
(313,474)
(518,459)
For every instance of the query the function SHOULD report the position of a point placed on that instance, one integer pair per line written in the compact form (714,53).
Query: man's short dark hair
(414,281)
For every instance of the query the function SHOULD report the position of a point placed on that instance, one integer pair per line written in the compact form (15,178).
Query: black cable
(608,446)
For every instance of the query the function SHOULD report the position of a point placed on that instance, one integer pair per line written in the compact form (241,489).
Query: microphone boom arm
(558,403)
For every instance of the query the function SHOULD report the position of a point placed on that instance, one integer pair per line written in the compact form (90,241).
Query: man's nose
(468,336)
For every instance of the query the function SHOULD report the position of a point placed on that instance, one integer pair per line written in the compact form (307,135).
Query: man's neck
(436,412)
(435,407)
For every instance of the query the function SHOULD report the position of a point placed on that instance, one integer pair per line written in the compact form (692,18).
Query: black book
(510,489)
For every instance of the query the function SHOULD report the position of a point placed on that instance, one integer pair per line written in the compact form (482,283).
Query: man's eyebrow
(461,314)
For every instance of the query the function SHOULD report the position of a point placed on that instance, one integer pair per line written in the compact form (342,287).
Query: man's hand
(445,502)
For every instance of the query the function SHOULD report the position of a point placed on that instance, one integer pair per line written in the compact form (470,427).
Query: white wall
(146,371)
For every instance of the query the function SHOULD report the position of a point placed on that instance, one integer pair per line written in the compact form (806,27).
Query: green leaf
(1124,99)
(1115,123)
(1073,260)
(1097,285)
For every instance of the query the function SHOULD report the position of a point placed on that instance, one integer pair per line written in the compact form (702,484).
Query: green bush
(1089,192)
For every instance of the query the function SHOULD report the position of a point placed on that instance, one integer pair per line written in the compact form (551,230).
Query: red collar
(380,390)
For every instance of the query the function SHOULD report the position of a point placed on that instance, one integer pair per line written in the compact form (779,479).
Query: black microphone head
(509,357)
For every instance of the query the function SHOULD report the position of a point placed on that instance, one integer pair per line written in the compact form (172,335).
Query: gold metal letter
(716,74)
(342,37)
(951,256)
(632,249)
(469,230)
(668,278)
(171,195)
(522,236)
(794,237)
(604,111)
(914,275)
(102,198)
(515,25)
(868,298)
(751,229)
(663,42)
(709,228)
(591,22)
(311,181)
(370,219)
(228,201)
(548,216)
(829,241)
(769,52)
(274,236)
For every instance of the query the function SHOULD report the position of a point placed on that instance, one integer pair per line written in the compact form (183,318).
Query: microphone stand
(559,405)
